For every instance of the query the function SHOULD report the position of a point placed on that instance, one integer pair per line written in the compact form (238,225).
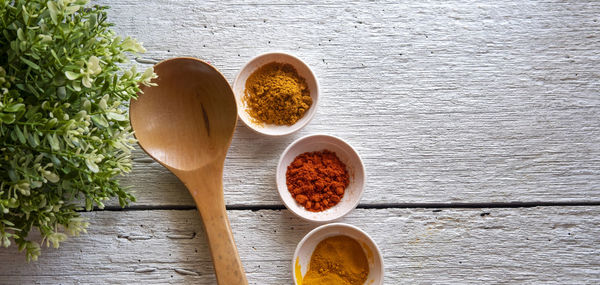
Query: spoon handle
(208,195)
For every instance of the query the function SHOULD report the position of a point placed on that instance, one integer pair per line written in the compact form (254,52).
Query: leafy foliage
(64,130)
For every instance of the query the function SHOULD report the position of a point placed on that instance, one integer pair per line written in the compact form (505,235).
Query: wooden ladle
(186,124)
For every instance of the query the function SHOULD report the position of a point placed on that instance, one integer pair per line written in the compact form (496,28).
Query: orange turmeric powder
(276,94)
(338,260)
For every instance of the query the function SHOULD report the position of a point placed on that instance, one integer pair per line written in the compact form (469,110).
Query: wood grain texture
(546,245)
(459,101)
(446,102)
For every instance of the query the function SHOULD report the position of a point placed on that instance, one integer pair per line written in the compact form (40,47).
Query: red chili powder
(317,180)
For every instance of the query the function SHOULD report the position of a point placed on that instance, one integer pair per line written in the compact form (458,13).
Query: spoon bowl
(186,123)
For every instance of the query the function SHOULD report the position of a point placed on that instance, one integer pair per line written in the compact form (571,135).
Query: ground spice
(338,260)
(276,94)
(317,180)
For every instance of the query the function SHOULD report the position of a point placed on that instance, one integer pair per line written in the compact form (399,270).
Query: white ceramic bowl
(239,85)
(345,153)
(307,245)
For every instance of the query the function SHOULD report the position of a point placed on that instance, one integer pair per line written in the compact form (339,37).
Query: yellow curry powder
(338,260)
(276,94)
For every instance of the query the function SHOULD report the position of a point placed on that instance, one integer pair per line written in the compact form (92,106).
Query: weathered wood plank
(458,101)
(547,245)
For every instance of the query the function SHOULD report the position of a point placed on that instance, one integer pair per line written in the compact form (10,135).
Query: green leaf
(77,85)
(116,116)
(45,38)
(86,105)
(54,160)
(33,139)
(52,123)
(20,135)
(54,143)
(92,166)
(71,9)
(89,205)
(52,177)
(37,184)
(102,104)
(23,46)
(14,45)
(25,15)
(20,35)
(100,121)
(93,20)
(61,92)
(12,175)
(53,12)
(34,56)
(13,108)
(72,75)
(7,118)
(30,63)
(54,55)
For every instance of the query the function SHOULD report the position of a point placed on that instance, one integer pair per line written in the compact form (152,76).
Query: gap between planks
(370,206)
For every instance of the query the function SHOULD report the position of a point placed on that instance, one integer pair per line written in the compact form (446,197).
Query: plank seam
(368,206)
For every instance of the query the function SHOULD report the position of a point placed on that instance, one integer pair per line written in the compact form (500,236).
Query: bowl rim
(325,226)
(362,185)
(314,105)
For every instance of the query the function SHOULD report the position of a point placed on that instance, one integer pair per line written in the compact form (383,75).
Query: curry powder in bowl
(276,94)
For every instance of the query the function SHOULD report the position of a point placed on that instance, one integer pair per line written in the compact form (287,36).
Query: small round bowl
(307,245)
(345,153)
(239,85)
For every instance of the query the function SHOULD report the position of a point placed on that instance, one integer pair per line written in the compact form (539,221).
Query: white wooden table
(478,123)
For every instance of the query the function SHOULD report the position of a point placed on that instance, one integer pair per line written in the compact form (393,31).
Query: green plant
(64,130)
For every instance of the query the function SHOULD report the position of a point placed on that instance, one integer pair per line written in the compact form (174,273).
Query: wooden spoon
(186,124)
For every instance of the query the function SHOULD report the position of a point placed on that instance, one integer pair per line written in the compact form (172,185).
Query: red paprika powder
(317,180)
